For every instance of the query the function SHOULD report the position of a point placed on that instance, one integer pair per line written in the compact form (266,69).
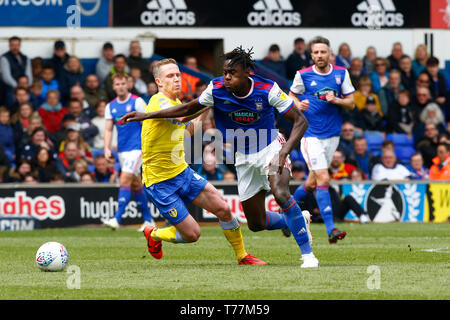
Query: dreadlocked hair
(242,57)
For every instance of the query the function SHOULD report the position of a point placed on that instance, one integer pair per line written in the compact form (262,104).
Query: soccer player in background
(170,183)
(321,91)
(244,106)
(129,151)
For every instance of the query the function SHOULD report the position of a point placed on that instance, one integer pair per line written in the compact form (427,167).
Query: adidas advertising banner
(28,208)
(273,13)
(55,13)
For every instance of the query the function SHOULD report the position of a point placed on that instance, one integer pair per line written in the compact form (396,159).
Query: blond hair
(157,66)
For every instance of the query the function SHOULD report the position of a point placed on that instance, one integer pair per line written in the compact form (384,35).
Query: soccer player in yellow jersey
(170,183)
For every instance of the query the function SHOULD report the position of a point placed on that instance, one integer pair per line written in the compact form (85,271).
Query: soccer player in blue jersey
(129,151)
(244,113)
(320,92)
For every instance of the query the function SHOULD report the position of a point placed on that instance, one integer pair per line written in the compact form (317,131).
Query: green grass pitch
(375,261)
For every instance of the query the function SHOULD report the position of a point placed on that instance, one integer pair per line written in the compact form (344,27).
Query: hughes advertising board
(273,13)
(54,13)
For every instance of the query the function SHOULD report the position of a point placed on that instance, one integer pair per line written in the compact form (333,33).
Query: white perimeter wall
(87,42)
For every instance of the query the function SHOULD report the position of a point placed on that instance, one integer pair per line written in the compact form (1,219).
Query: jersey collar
(320,73)
(249,92)
(128,98)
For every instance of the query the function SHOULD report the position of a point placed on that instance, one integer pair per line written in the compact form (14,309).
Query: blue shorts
(171,196)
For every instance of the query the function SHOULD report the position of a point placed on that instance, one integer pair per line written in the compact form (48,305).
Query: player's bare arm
(347,102)
(300,124)
(183,110)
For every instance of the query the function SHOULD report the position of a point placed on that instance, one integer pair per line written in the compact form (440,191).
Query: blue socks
(142,203)
(275,221)
(296,223)
(326,210)
(302,193)
(124,198)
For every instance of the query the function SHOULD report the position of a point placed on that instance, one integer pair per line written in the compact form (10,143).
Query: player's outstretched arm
(300,124)
(182,110)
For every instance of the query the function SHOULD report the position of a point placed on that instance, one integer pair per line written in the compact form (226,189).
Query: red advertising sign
(440,14)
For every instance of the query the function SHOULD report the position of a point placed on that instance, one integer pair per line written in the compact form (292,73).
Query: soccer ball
(52,256)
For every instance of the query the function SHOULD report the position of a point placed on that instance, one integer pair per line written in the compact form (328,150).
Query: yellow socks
(232,232)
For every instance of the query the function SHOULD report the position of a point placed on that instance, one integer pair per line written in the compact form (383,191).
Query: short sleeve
(108,115)
(206,98)
(347,87)
(297,87)
(140,105)
(280,100)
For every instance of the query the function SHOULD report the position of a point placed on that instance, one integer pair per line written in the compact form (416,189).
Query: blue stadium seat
(374,141)
(404,153)
(400,139)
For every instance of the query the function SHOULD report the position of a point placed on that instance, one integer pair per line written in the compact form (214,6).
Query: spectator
(440,170)
(98,143)
(44,164)
(438,87)
(18,173)
(420,59)
(93,93)
(380,76)
(21,95)
(135,59)
(422,97)
(120,66)
(389,92)
(209,169)
(416,167)
(35,94)
(389,168)
(52,112)
(364,91)
(48,80)
(230,177)
(37,139)
(14,63)
(369,60)
(152,89)
(300,58)
(428,144)
(433,113)
(139,84)
(105,62)
(386,145)
(370,118)
(344,57)
(444,137)
(5,165)
(21,120)
(77,93)
(7,138)
(72,74)
(423,80)
(346,139)
(131,87)
(66,160)
(356,72)
(363,159)
(188,81)
(37,65)
(402,115)
(86,177)
(73,135)
(396,54)
(200,86)
(79,167)
(339,168)
(88,130)
(103,171)
(59,59)
(274,61)
(408,76)
(57,177)
(30,178)
(34,122)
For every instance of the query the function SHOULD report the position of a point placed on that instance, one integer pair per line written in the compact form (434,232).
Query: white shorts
(131,161)
(253,169)
(317,152)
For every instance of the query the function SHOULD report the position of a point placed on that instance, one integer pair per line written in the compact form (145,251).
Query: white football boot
(146,223)
(309,261)
(111,223)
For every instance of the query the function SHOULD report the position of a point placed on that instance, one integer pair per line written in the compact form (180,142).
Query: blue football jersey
(324,118)
(247,122)
(129,134)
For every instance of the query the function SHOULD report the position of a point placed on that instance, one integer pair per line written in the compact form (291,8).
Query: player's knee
(281,196)
(323,179)
(223,212)
(192,235)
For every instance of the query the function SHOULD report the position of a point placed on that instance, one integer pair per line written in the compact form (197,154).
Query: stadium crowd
(52,114)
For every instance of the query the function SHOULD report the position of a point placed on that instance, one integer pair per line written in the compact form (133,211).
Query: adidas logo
(274,13)
(313,83)
(377,14)
(302,231)
(167,12)
(328,208)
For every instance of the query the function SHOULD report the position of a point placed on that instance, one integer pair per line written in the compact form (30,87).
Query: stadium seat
(374,141)
(400,139)
(404,153)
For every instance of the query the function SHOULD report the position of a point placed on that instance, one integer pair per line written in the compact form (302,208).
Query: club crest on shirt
(323,92)
(338,79)
(244,116)
(128,107)
(258,104)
